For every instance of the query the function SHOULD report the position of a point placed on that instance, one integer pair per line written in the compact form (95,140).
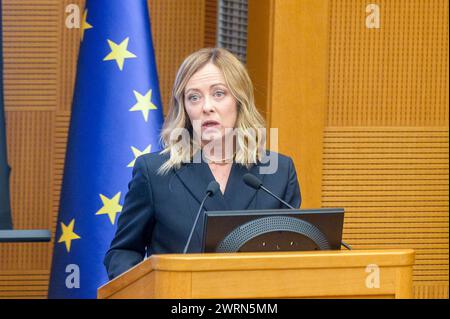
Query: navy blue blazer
(159,210)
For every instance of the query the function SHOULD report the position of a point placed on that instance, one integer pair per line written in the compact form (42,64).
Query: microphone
(211,190)
(255,182)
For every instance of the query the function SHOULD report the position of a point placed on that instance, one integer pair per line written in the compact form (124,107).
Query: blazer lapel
(237,194)
(196,177)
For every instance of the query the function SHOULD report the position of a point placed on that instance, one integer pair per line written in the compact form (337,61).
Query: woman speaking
(211,133)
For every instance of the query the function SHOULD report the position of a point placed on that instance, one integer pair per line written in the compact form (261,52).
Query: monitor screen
(273,230)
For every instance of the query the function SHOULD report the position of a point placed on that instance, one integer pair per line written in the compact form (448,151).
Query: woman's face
(209,104)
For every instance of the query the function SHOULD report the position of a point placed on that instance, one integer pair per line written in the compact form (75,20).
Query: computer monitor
(273,230)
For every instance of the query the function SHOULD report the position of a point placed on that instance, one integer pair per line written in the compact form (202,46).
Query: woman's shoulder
(153,160)
(275,163)
(271,155)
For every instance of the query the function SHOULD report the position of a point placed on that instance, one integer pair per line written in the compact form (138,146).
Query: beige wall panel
(61,132)
(430,292)
(210,23)
(31,175)
(30,49)
(393,197)
(386,140)
(178,30)
(29,154)
(393,76)
(68,46)
(287,55)
(382,113)
(259,53)
(24,284)
(30,90)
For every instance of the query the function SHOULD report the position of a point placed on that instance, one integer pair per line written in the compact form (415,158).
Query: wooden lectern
(317,274)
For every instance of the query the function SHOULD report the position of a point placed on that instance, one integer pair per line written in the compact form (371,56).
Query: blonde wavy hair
(249,147)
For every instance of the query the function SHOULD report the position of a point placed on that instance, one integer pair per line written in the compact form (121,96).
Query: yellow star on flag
(119,52)
(144,103)
(110,207)
(84,24)
(138,153)
(68,234)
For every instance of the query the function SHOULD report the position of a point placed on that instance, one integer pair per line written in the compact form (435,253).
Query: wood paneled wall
(386,135)
(31,46)
(364,113)
(40,56)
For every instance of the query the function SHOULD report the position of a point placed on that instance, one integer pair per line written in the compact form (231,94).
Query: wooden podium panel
(317,274)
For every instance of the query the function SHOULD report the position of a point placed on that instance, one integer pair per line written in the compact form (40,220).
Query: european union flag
(116,116)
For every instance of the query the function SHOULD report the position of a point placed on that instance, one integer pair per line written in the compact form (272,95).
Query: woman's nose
(208,106)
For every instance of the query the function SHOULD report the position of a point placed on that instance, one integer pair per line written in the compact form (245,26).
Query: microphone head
(252,181)
(213,188)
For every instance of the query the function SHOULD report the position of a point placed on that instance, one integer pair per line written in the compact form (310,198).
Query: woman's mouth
(208,124)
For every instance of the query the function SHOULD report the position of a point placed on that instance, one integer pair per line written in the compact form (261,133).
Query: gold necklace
(221,161)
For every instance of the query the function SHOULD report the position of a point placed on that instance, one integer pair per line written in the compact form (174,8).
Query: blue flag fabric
(116,116)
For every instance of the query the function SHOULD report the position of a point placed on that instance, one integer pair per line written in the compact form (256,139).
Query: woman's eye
(219,93)
(193,98)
